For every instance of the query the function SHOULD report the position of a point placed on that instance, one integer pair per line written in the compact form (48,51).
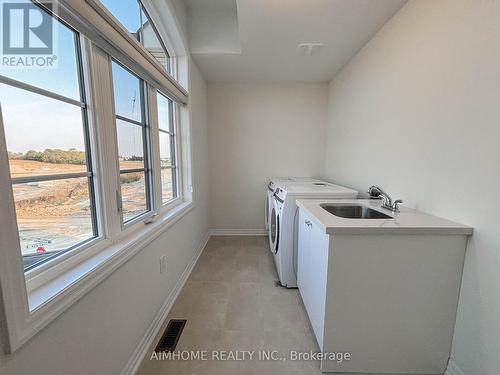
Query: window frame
(32,273)
(146,7)
(175,155)
(145,124)
(34,299)
(35,277)
(169,68)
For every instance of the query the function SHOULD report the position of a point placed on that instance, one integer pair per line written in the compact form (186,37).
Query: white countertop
(407,221)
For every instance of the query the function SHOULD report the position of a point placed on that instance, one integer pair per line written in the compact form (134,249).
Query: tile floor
(231,303)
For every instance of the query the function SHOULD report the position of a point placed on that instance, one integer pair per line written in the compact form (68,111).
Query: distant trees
(55,156)
(15,155)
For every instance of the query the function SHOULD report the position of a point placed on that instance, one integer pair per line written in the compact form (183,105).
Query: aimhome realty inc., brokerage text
(248,355)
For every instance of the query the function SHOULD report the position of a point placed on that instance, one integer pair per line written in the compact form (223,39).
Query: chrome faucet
(376,192)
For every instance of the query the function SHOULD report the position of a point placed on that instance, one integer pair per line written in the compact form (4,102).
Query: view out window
(135,19)
(167,135)
(132,137)
(150,39)
(45,124)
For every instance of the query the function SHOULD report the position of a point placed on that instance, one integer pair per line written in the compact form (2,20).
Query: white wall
(418,112)
(257,131)
(98,334)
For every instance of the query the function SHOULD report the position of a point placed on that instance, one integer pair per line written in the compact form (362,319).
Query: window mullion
(155,149)
(177,150)
(107,171)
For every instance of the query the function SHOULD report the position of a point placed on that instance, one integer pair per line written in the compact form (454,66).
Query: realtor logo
(28,33)
(27,29)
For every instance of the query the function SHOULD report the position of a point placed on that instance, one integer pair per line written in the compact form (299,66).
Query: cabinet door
(312,272)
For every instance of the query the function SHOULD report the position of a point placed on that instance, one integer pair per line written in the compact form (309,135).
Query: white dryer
(283,223)
(278,181)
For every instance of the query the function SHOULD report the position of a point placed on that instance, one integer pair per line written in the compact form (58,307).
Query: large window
(167,138)
(47,138)
(133,16)
(133,141)
(90,153)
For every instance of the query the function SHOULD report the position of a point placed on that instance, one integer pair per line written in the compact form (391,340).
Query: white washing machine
(278,181)
(283,223)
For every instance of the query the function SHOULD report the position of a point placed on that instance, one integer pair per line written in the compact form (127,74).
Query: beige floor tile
(232,240)
(195,368)
(244,308)
(222,269)
(285,342)
(226,251)
(202,269)
(196,338)
(245,294)
(241,340)
(238,318)
(232,303)
(268,274)
(251,250)
(292,368)
(240,368)
(177,367)
(214,289)
(207,312)
(264,242)
(247,268)
(216,241)
(210,248)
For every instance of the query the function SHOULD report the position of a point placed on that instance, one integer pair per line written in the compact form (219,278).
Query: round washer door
(268,209)
(274,230)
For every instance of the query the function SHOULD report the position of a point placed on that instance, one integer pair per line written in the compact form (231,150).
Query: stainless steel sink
(354,211)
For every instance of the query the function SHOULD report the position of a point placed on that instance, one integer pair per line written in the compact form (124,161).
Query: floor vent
(171,336)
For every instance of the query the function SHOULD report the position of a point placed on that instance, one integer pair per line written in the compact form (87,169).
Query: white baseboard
(238,232)
(453,369)
(140,352)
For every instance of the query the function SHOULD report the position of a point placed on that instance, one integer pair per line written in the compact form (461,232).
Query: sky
(36,122)
(126,11)
(32,121)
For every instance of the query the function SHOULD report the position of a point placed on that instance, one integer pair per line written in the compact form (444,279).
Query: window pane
(134,197)
(63,77)
(165,150)
(167,184)
(46,137)
(127,90)
(130,145)
(52,216)
(163,112)
(127,12)
(168,181)
(50,142)
(152,43)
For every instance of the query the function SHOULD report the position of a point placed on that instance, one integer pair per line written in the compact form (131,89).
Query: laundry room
(249,187)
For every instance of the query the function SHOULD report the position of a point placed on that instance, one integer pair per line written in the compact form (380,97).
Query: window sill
(54,297)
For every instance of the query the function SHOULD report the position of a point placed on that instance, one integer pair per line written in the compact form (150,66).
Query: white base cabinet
(388,300)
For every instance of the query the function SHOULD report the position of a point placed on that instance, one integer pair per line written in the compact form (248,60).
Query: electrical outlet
(163,263)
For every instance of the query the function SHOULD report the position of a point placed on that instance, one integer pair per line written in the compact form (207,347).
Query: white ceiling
(270,31)
(210,4)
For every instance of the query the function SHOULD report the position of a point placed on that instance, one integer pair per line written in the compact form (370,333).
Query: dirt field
(23,168)
(56,214)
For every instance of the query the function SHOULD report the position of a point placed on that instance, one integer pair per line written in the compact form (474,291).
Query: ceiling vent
(309,49)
